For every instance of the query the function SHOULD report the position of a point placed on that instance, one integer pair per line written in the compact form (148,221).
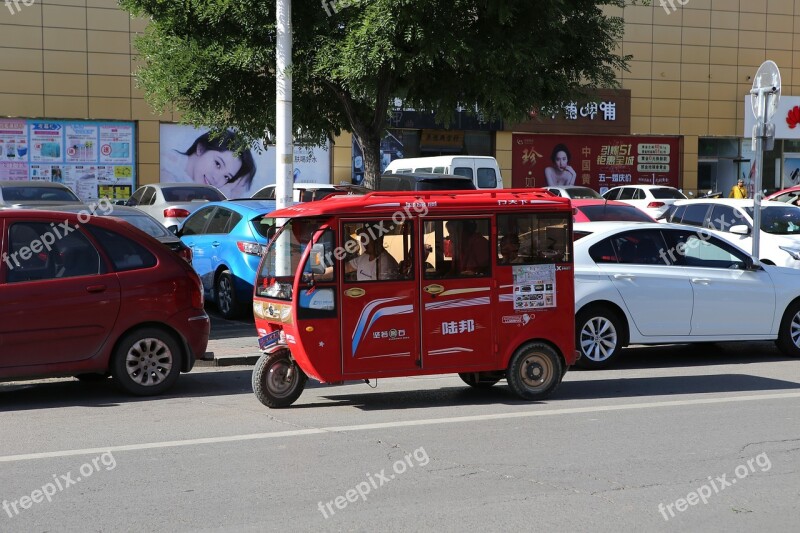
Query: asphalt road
(678,438)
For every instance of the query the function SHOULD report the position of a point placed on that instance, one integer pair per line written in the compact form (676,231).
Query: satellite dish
(766,81)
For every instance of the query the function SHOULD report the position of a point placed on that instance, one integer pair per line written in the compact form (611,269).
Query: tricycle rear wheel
(277,380)
(534,371)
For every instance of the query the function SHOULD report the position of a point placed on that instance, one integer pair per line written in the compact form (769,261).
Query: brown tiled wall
(692,67)
(67,59)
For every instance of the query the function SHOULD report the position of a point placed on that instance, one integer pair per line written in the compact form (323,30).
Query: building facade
(67,64)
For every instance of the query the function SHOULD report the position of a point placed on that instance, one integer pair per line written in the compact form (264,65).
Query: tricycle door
(380,308)
(456,294)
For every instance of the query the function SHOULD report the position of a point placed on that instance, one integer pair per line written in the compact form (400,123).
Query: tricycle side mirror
(317,259)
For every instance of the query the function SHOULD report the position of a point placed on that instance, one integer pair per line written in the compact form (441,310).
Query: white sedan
(652,199)
(171,203)
(649,283)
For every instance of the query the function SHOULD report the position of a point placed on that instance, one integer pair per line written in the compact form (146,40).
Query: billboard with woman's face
(596,161)
(189,154)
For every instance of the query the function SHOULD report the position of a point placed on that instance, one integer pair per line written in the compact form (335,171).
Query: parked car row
(142,320)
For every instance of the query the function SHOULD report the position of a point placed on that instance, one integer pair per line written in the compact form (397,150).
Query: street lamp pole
(764,98)
(284,159)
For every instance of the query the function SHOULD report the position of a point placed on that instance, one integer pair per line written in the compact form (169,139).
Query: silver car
(171,203)
(35,193)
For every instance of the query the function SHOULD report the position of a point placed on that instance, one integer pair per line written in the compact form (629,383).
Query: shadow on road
(569,390)
(694,355)
(669,385)
(577,385)
(21,395)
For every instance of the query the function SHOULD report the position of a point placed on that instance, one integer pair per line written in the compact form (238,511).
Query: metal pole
(759,134)
(757,186)
(284,156)
(284,159)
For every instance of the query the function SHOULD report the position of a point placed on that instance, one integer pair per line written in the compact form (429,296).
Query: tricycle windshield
(284,252)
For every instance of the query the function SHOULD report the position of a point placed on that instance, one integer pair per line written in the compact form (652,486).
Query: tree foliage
(213,61)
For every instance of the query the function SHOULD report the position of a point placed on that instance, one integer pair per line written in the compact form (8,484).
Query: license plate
(268,340)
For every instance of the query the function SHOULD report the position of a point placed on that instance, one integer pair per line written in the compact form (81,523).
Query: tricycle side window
(282,259)
(377,250)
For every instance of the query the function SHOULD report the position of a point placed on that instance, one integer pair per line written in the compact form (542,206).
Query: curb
(229,360)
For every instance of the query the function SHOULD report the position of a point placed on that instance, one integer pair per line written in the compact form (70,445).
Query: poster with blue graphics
(94,158)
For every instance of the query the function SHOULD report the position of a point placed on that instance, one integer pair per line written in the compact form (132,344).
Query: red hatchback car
(89,296)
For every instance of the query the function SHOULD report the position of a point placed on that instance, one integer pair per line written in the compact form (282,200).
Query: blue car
(227,239)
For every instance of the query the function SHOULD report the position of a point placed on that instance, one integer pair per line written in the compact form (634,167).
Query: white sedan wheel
(599,338)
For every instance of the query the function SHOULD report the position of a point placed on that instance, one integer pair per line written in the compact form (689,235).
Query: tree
(213,61)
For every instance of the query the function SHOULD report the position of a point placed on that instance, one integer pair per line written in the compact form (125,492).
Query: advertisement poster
(596,161)
(69,152)
(81,143)
(391,149)
(13,171)
(13,148)
(534,286)
(791,170)
(46,142)
(116,144)
(190,155)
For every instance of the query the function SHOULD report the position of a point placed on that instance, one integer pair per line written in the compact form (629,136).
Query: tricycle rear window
(533,238)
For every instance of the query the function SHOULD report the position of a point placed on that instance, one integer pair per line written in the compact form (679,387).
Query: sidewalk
(231,351)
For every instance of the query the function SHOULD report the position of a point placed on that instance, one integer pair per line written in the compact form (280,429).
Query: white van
(482,170)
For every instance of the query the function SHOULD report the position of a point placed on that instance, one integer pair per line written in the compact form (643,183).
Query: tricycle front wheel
(277,380)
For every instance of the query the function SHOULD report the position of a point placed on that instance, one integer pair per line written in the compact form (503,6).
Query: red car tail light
(252,248)
(173,212)
(655,204)
(186,254)
(197,292)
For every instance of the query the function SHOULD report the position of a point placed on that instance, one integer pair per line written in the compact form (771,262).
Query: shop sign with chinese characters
(596,161)
(608,112)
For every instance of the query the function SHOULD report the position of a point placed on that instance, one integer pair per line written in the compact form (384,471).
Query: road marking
(388,425)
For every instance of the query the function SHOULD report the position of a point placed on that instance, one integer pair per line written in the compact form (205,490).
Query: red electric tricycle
(389,284)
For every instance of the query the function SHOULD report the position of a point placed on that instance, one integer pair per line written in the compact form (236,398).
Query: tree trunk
(370,143)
